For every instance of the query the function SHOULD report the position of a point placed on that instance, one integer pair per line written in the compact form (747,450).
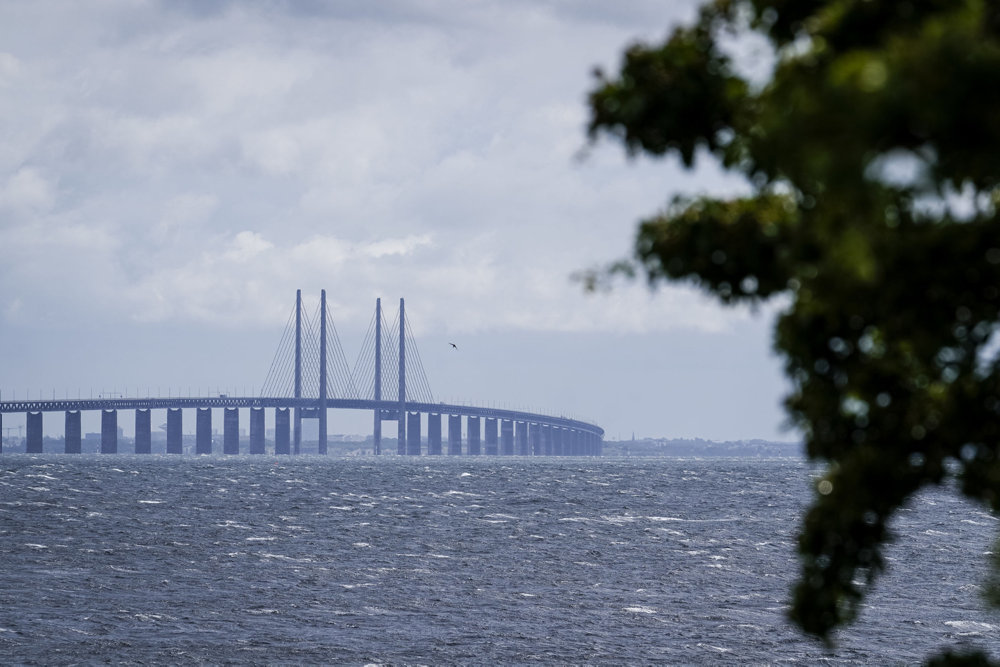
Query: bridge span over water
(309,377)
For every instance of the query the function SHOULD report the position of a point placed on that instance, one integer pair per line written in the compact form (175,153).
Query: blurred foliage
(871,154)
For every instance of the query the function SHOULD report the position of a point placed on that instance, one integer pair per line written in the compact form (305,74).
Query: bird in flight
(453,345)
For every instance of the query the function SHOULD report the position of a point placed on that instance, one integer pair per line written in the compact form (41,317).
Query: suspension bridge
(308,377)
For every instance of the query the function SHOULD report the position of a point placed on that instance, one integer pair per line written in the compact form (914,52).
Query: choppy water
(449,560)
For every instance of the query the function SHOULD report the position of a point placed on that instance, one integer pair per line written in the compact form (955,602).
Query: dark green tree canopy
(872,154)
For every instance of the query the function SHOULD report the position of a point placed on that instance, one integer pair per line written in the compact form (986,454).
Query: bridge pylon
(389,350)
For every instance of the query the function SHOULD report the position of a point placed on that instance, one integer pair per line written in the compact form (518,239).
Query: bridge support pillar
(507,437)
(321,445)
(454,434)
(143,432)
(73,442)
(203,431)
(256,430)
(472,436)
(109,431)
(413,433)
(535,439)
(521,438)
(231,431)
(491,438)
(297,434)
(401,432)
(282,438)
(33,443)
(175,436)
(546,440)
(434,434)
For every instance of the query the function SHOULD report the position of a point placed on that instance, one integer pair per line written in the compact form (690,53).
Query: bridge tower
(309,367)
(321,446)
(297,437)
(401,431)
(377,432)
(378,351)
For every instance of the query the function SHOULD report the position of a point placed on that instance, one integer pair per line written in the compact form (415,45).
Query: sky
(171,172)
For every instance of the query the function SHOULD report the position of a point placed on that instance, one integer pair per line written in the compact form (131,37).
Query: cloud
(172,163)
(27,191)
(10,67)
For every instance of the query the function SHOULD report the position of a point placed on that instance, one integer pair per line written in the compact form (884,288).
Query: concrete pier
(507,437)
(297,436)
(472,436)
(434,434)
(321,445)
(535,439)
(231,431)
(256,430)
(454,435)
(521,439)
(557,441)
(282,431)
(109,431)
(491,438)
(143,432)
(175,435)
(33,443)
(73,440)
(546,440)
(413,433)
(203,431)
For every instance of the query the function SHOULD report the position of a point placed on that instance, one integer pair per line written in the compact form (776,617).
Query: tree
(872,159)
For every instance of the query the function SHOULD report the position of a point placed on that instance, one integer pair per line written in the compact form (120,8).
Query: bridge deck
(87,404)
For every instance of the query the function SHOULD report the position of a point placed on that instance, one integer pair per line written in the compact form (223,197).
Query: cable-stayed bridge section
(308,377)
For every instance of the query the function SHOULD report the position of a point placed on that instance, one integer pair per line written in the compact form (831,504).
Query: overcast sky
(171,172)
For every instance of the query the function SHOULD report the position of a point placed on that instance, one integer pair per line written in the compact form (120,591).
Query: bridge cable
(341,382)
(287,370)
(310,356)
(390,361)
(273,380)
(422,389)
(365,361)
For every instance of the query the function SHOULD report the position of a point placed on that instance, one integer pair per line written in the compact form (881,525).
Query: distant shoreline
(696,447)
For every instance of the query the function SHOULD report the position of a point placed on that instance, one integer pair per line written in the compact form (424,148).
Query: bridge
(309,376)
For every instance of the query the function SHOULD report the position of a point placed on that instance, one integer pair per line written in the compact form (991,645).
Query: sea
(454,560)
